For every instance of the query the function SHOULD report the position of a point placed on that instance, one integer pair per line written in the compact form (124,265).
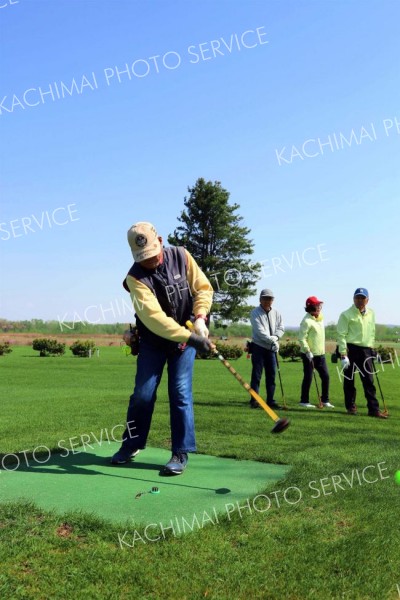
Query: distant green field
(335,543)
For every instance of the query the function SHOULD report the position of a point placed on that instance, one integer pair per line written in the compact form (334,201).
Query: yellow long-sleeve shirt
(312,335)
(356,328)
(152,315)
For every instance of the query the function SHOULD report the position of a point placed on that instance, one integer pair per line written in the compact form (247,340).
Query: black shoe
(122,457)
(254,404)
(177,464)
(275,406)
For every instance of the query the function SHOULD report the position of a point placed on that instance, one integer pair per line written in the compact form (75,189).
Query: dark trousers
(263,359)
(361,362)
(322,370)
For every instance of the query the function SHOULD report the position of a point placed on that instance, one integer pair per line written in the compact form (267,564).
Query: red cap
(312,301)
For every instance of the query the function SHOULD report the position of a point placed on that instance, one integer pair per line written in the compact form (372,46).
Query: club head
(280,425)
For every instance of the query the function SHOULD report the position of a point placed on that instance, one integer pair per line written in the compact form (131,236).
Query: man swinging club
(167,287)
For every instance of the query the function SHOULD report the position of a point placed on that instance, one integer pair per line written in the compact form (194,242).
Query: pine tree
(211,231)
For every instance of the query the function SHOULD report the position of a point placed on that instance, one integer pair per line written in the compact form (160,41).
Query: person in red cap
(312,345)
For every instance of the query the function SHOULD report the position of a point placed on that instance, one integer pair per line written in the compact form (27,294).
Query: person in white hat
(167,288)
(267,329)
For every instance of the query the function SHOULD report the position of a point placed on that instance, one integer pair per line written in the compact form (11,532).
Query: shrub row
(5,348)
(228,351)
(290,350)
(49,347)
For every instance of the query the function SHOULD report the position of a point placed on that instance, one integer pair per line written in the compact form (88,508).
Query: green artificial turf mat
(87,481)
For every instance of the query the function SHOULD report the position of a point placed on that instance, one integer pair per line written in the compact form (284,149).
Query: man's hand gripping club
(198,340)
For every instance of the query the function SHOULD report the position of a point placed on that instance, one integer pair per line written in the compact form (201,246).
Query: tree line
(53,327)
(384,333)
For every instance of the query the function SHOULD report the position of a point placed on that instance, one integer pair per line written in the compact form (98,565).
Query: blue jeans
(150,366)
(263,359)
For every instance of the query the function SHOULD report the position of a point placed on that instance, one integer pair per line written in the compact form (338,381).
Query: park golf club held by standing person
(312,349)
(167,287)
(356,339)
(267,329)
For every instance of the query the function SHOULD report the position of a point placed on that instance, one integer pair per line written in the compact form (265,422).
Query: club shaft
(379,385)
(316,384)
(280,380)
(315,380)
(247,387)
(240,379)
(277,365)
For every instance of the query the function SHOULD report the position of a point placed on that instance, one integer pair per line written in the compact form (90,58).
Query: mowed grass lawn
(336,542)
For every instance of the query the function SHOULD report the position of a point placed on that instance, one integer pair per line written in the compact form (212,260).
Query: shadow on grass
(77,463)
(226,404)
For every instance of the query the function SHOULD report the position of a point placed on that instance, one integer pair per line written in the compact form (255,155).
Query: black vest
(170,286)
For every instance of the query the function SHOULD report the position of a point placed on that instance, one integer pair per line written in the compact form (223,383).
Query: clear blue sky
(121,152)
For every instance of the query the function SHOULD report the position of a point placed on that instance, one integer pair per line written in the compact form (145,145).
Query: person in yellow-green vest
(356,339)
(312,346)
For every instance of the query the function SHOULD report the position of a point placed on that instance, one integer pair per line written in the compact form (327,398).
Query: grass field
(340,540)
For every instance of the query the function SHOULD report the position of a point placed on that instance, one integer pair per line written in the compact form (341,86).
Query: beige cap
(143,240)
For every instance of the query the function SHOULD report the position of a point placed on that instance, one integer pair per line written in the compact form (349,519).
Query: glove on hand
(310,356)
(274,338)
(201,344)
(345,362)
(275,347)
(200,327)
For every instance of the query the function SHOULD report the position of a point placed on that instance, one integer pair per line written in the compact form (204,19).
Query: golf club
(285,407)
(280,424)
(319,405)
(385,412)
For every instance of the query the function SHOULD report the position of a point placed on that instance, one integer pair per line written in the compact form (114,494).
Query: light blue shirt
(261,328)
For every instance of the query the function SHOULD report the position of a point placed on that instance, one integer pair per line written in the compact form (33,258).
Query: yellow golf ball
(397,477)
